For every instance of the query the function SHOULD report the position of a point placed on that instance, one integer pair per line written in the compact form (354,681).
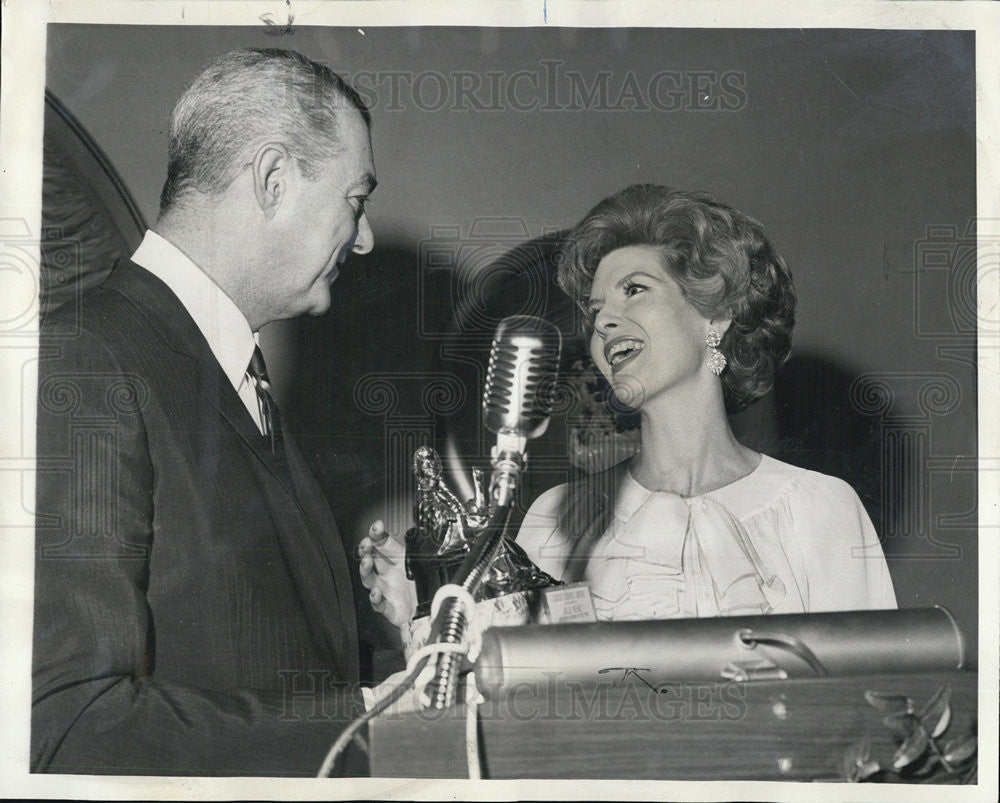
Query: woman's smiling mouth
(619,351)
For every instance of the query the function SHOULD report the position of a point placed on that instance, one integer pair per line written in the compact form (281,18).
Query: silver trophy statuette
(443,533)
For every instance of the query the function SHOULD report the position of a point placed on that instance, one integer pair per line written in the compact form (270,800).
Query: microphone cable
(472,700)
(414,666)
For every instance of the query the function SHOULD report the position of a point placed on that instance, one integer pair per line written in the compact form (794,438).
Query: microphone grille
(520,378)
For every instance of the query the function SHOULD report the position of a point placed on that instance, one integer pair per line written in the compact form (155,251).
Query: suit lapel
(182,335)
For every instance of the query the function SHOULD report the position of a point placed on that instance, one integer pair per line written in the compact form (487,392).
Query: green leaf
(936,715)
(914,746)
(889,703)
(958,751)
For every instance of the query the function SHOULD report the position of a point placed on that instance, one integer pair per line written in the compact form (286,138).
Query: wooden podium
(833,728)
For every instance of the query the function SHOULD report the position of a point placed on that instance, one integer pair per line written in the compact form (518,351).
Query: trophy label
(569,603)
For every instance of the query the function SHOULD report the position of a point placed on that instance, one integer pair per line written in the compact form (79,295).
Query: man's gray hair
(244,99)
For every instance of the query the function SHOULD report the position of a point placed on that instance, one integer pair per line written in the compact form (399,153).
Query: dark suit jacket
(193,605)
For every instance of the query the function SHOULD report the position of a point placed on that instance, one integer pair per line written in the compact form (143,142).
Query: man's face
(322,220)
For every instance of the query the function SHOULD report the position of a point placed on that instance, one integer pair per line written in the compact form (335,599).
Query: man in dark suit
(193,605)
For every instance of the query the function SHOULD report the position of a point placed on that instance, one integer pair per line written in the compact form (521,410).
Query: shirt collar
(735,496)
(225,328)
(631,495)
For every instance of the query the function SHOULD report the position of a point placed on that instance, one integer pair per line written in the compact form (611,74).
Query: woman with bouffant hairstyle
(689,311)
(722,261)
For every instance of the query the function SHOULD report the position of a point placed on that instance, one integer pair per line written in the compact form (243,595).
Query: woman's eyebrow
(621,283)
(626,279)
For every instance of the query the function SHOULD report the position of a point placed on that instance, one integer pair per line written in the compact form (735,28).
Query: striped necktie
(270,423)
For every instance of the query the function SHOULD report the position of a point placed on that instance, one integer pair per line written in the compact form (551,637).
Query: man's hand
(383,572)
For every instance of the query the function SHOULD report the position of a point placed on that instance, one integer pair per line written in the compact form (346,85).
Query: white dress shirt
(219,319)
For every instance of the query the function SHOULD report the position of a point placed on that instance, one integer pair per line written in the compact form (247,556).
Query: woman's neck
(688,447)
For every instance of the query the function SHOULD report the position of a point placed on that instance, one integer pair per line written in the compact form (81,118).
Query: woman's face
(647,338)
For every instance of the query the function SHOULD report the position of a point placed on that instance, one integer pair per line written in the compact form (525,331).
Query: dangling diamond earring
(716,359)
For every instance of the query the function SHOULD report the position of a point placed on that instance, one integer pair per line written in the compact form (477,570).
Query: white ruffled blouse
(779,540)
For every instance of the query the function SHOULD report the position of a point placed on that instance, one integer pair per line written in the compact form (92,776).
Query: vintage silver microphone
(517,401)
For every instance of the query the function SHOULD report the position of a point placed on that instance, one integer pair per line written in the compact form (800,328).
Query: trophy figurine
(437,543)
(442,534)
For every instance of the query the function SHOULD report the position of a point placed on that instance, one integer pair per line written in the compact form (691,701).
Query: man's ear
(270,171)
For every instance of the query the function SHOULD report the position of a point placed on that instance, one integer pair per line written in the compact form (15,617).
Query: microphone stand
(451,620)
(517,402)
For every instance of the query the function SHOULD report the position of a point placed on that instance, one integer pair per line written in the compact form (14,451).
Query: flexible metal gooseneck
(440,692)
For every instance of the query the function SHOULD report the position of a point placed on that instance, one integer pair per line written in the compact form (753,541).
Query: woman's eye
(631,288)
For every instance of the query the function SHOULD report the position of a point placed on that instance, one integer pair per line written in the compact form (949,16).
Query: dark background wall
(855,148)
